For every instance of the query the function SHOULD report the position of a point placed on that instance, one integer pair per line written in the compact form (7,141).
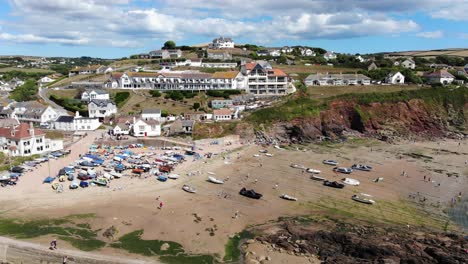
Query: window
(141,127)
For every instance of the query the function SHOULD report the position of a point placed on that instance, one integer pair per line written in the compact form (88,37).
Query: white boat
(362,199)
(214,180)
(309,170)
(108,176)
(256,155)
(211,173)
(330,162)
(278,147)
(173,176)
(116,174)
(298,166)
(378,179)
(5,178)
(365,194)
(268,155)
(263,151)
(287,197)
(361,167)
(350,181)
(189,189)
(317,178)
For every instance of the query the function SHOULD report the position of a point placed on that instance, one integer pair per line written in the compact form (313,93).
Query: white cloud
(431,34)
(33,39)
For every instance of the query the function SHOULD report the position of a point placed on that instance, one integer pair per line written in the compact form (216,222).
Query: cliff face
(381,120)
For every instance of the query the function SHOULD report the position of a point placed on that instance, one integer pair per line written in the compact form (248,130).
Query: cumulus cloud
(431,34)
(124,23)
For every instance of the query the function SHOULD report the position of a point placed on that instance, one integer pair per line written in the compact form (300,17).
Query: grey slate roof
(65,119)
(151,111)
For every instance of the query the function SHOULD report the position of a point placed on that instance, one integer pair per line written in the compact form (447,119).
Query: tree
(25,92)
(155,93)
(170,44)
(196,106)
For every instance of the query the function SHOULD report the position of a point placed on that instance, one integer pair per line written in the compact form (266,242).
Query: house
(396,63)
(219,55)
(181,127)
(224,65)
(263,52)
(199,116)
(221,43)
(275,53)
(218,104)
(409,64)
(9,122)
(33,111)
(24,140)
(262,79)
(287,49)
(144,56)
(98,94)
(440,66)
(307,52)
(101,108)
(372,67)
(360,58)
(336,79)
(87,70)
(222,114)
(154,114)
(76,123)
(329,55)
(166,53)
(121,129)
(440,76)
(45,80)
(395,78)
(146,128)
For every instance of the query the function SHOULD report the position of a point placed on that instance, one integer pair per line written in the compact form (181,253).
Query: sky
(120,28)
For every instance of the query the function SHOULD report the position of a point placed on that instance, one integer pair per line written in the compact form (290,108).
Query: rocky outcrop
(414,118)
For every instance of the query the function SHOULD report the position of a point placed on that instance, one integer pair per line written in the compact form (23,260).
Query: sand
(130,204)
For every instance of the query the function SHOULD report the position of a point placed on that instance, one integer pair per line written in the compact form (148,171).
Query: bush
(196,106)
(25,92)
(222,93)
(121,98)
(174,95)
(70,104)
(155,93)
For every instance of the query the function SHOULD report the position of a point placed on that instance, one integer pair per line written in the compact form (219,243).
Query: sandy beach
(130,203)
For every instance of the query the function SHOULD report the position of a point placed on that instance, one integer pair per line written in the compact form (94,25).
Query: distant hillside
(460,52)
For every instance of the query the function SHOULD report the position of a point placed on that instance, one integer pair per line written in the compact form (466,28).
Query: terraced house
(336,79)
(262,79)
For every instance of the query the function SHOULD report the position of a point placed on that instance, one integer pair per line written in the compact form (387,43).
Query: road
(43,94)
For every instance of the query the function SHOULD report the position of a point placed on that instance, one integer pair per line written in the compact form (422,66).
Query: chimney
(31,129)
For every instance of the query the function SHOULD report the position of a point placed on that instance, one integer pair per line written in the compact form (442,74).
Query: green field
(25,70)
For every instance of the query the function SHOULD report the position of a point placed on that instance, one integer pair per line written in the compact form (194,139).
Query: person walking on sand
(160,205)
(424,177)
(53,244)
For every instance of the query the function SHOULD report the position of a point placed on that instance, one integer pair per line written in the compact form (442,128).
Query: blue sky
(118,28)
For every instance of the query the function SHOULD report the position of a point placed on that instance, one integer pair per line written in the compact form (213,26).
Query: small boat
(309,170)
(250,193)
(362,199)
(55,185)
(256,155)
(361,167)
(298,166)
(108,176)
(189,189)
(138,171)
(343,170)
(74,185)
(289,198)
(5,178)
(84,184)
(278,147)
(378,179)
(71,177)
(268,155)
(214,180)
(173,176)
(116,174)
(107,169)
(62,178)
(330,162)
(162,178)
(100,182)
(263,151)
(60,188)
(317,178)
(211,173)
(350,181)
(334,184)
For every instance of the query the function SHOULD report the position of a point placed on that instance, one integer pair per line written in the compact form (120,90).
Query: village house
(222,114)
(360,58)
(287,49)
(306,52)
(31,111)
(440,66)
(262,79)
(146,128)
(198,116)
(218,104)
(329,55)
(409,64)
(24,140)
(166,53)
(395,78)
(218,55)
(440,76)
(154,114)
(91,69)
(97,94)
(121,129)
(101,108)
(179,127)
(223,65)
(76,123)
(372,67)
(263,53)
(221,43)
(275,53)
(336,79)
(45,80)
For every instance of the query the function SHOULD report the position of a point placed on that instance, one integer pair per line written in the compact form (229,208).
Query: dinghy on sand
(287,197)
(214,180)
(189,189)
(362,199)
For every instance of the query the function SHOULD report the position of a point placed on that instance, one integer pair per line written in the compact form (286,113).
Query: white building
(275,53)
(76,123)
(440,76)
(101,108)
(45,80)
(89,95)
(222,43)
(146,128)
(222,114)
(395,78)
(287,49)
(35,112)
(307,52)
(224,65)
(154,114)
(262,79)
(330,55)
(336,79)
(25,140)
(121,129)
(409,64)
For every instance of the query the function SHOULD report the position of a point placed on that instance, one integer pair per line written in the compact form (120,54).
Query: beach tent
(49,180)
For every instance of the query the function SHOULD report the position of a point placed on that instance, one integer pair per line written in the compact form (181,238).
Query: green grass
(133,243)
(15,161)
(121,98)
(232,251)
(79,235)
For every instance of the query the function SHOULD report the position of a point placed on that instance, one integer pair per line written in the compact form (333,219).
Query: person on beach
(53,244)
(65,259)
(424,177)
(160,205)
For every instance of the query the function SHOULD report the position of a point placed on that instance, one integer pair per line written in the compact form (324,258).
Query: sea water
(459,214)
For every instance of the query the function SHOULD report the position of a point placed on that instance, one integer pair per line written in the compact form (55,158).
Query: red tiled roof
(279,73)
(250,65)
(21,131)
(219,112)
